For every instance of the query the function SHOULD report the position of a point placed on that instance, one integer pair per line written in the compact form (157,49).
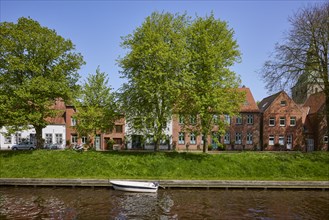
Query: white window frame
(74,138)
(18,138)
(59,138)
(73,121)
(282,119)
(192,138)
(249,138)
(48,138)
(281,140)
(250,119)
(181,138)
(271,140)
(293,119)
(238,120)
(325,139)
(181,119)
(192,119)
(283,103)
(227,119)
(84,139)
(271,119)
(8,139)
(227,138)
(238,138)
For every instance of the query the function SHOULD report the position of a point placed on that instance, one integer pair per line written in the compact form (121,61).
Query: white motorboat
(135,186)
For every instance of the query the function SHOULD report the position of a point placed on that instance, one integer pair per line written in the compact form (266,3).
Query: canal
(101,203)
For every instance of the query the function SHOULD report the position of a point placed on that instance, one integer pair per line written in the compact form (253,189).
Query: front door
(289,142)
(310,145)
(98,142)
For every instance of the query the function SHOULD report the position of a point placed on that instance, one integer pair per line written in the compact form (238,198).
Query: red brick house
(315,127)
(242,131)
(282,124)
(100,140)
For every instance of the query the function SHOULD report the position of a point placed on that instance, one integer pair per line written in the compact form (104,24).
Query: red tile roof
(249,105)
(315,102)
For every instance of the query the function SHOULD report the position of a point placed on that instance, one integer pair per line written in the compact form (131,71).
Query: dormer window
(283,103)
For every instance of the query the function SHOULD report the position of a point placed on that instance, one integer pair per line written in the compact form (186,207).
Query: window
(73,121)
(181,119)
(271,140)
(292,121)
(118,128)
(215,119)
(181,138)
(59,138)
(84,139)
(238,120)
(227,119)
(117,141)
(202,139)
(8,139)
(74,138)
(283,103)
(282,121)
(49,138)
(192,138)
(281,140)
(250,119)
(272,121)
(227,138)
(193,119)
(325,139)
(18,138)
(238,138)
(249,138)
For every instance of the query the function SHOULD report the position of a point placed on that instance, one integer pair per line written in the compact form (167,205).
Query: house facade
(101,141)
(54,133)
(242,131)
(315,127)
(282,123)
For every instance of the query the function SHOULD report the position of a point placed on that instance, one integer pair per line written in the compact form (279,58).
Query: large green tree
(303,54)
(37,66)
(210,90)
(153,67)
(96,108)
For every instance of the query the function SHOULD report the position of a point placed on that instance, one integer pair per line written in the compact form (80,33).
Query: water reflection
(87,203)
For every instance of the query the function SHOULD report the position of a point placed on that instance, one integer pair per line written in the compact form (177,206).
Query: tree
(153,67)
(37,67)
(96,109)
(303,55)
(210,90)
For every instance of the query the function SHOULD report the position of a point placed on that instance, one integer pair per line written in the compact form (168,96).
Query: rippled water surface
(87,203)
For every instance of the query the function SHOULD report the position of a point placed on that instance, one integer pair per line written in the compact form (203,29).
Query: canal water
(100,203)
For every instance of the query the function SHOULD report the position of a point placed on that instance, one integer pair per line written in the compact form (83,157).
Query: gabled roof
(266,102)
(315,102)
(249,105)
(59,105)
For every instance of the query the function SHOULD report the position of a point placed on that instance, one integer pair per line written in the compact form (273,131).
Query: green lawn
(165,165)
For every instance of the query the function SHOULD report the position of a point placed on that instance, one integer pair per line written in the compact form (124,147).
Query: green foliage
(210,90)
(37,67)
(153,68)
(165,165)
(96,109)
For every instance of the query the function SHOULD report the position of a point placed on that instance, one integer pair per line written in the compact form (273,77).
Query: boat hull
(134,186)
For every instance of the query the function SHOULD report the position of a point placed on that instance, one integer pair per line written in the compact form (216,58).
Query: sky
(96,28)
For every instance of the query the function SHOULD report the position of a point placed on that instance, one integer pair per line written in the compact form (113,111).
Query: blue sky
(96,27)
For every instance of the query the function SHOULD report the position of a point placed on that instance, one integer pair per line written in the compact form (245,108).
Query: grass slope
(165,165)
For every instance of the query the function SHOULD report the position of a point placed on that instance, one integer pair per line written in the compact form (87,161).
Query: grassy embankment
(165,165)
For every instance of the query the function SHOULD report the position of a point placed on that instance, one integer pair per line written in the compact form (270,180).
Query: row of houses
(276,123)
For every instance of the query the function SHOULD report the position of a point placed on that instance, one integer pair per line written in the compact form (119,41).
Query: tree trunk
(38,136)
(205,143)
(327,116)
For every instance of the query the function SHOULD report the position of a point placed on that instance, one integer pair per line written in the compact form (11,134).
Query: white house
(137,141)
(52,134)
